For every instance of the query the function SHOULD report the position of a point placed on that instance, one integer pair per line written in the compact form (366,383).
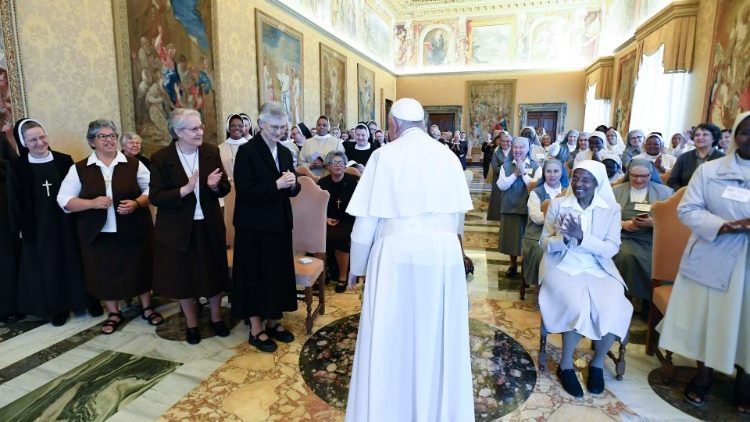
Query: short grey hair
(177,117)
(271,110)
(333,154)
(97,125)
(128,136)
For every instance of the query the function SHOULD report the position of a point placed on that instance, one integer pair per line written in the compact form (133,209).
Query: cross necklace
(47,184)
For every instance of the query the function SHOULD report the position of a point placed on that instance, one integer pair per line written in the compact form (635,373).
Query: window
(597,112)
(660,99)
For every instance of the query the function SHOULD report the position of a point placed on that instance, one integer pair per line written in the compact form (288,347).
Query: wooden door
(545,119)
(445,121)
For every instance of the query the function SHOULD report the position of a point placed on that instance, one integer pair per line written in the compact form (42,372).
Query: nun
(235,125)
(518,171)
(50,275)
(640,188)
(499,156)
(554,180)
(615,144)
(582,293)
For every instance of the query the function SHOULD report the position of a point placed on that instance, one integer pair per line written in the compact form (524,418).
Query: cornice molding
(607,61)
(677,9)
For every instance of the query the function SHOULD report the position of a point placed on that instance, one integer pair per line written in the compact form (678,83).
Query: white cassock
(412,359)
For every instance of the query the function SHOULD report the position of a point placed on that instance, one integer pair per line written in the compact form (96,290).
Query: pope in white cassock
(412,359)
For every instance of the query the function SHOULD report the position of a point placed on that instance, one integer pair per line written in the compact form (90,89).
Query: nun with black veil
(50,276)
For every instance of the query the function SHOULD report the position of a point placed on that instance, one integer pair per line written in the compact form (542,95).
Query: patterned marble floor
(143,375)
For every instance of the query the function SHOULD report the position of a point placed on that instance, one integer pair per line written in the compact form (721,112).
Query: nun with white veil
(582,293)
(412,360)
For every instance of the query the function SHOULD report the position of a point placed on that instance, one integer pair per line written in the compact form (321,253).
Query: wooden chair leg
(308,303)
(653,319)
(542,347)
(322,293)
(523,289)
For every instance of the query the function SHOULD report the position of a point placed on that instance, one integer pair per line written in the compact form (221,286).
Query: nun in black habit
(50,276)
(9,244)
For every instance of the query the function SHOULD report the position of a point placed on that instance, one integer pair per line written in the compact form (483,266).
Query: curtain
(660,99)
(597,112)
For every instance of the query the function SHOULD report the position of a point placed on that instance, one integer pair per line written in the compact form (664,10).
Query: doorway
(544,119)
(445,121)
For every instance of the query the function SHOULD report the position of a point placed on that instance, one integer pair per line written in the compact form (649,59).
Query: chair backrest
(353,171)
(531,186)
(304,171)
(670,238)
(665,176)
(229,200)
(545,206)
(309,209)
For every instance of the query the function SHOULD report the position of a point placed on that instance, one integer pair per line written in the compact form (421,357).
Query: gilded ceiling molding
(601,73)
(406,9)
(674,27)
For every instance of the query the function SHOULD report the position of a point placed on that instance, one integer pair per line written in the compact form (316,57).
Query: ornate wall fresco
(333,86)
(728,90)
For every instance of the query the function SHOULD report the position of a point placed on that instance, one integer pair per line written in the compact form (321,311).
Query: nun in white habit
(412,359)
(582,293)
(235,127)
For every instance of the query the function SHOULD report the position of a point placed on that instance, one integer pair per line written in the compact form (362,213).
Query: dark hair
(715,131)
(727,130)
(379,131)
(362,126)
(602,128)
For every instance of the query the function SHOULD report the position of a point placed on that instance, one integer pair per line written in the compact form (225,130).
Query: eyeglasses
(103,136)
(194,130)
(337,163)
(640,176)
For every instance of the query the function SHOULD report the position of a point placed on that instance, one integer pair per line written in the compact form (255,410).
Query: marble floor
(142,374)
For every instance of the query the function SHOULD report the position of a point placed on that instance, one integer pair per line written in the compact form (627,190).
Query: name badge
(736,194)
(528,171)
(541,157)
(643,207)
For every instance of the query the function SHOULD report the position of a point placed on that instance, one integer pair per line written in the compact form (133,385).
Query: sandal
(695,394)
(340,286)
(742,392)
(152,317)
(114,324)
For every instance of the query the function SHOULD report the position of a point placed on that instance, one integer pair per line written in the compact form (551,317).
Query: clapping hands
(570,227)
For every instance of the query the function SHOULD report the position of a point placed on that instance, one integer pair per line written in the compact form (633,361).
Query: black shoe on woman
(266,345)
(220,329)
(60,319)
(595,383)
(696,392)
(192,335)
(742,392)
(340,286)
(570,382)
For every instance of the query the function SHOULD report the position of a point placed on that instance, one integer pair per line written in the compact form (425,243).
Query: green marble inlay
(93,391)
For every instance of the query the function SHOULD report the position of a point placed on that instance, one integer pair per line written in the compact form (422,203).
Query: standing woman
(131,144)
(708,318)
(109,194)
(499,156)
(516,173)
(263,280)
(488,148)
(228,153)
(633,148)
(568,145)
(9,243)
(50,277)
(187,181)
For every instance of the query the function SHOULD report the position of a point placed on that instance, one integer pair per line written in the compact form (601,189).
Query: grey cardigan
(710,258)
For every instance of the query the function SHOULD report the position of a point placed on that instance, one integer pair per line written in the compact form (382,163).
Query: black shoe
(340,286)
(595,383)
(266,345)
(282,335)
(59,319)
(570,382)
(220,329)
(512,272)
(192,335)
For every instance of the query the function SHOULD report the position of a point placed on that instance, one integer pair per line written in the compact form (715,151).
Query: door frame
(560,108)
(457,111)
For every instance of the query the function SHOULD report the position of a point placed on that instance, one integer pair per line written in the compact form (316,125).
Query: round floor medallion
(503,372)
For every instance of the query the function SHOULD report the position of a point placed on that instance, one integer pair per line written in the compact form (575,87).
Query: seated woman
(516,173)
(708,318)
(613,164)
(680,145)
(640,188)
(633,148)
(554,180)
(706,136)
(548,149)
(109,194)
(582,293)
(653,150)
(362,148)
(567,145)
(341,187)
(615,144)
(582,147)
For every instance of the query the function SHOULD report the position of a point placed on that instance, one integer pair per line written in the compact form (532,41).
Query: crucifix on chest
(338,204)
(47,184)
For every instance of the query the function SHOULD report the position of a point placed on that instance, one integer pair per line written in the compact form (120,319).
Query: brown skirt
(202,271)
(116,267)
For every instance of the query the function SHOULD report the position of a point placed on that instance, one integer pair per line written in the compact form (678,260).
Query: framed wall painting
(333,86)
(365,94)
(728,88)
(280,58)
(626,76)
(490,106)
(12,91)
(165,60)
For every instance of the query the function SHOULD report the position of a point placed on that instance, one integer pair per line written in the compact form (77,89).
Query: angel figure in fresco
(267,82)
(294,117)
(170,77)
(437,49)
(159,107)
(285,84)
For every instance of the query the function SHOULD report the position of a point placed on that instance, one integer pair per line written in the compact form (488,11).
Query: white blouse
(575,261)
